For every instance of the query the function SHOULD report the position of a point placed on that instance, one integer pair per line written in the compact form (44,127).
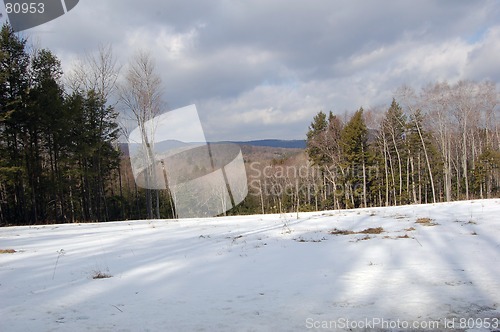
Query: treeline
(57,152)
(435,145)
(60,156)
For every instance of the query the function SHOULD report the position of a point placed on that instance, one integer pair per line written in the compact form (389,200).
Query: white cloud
(482,60)
(258,69)
(163,40)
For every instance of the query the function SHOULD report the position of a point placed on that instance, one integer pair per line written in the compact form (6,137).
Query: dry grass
(341,232)
(377,230)
(411,229)
(426,222)
(101,275)
(7,251)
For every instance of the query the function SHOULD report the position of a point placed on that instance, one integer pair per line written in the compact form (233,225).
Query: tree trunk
(364,177)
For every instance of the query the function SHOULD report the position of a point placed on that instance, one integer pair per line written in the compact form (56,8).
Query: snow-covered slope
(259,273)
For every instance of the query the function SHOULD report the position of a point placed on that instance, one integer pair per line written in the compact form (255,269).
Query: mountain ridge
(272,143)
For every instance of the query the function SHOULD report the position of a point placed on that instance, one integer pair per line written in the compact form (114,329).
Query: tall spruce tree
(14,80)
(315,141)
(325,150)
(355,149)
(93,153)
(47,128)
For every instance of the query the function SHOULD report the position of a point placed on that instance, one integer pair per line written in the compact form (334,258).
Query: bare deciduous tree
(98,72)
(410,101)
(141,94)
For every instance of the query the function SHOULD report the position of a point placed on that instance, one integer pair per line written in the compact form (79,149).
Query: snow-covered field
(259,273)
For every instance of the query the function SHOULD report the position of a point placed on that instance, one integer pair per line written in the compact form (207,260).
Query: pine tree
(489,162)
(355,150)
(325,150)
(315,139)
(14,82)
(46,126)
(57,152)
(92,153)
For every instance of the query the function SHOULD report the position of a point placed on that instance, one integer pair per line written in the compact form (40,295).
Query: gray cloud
(261,69)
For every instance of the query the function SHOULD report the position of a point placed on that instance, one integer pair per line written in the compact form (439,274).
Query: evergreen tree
(315,139)
(355,149)
(93,154)
(325,150)
(14,80)
(46,127)
(57,152)
(489,163)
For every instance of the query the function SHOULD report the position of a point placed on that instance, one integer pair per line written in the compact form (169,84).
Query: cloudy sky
(262,69)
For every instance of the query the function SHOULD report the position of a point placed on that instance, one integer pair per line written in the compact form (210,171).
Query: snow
(259,273)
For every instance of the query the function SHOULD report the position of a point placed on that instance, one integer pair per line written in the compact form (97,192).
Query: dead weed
(426,222)
(377,230)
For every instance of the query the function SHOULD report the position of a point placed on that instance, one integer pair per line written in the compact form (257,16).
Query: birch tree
(411,103)
(98,72)
(141,94)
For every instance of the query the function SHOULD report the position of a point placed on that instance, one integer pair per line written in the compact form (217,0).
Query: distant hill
(272,143)
(276,143)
